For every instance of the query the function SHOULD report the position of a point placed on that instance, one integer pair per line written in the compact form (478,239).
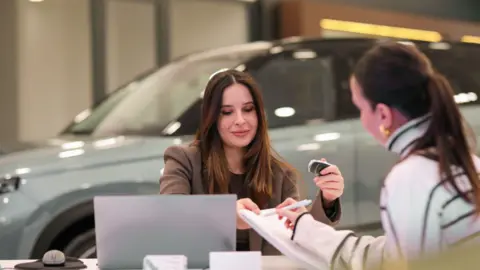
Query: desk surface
(268,263)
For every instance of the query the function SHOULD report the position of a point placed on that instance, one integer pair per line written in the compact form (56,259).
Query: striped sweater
(421,214)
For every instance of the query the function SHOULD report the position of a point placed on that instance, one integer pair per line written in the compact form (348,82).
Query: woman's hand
(245,204)
(330,183)
(290,215)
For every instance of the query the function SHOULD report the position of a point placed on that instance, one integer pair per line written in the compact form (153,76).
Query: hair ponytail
(448,134)
(402,77)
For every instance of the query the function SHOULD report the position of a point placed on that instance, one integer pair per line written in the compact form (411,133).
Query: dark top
(237,186)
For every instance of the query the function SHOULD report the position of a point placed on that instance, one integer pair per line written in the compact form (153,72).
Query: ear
(385,115)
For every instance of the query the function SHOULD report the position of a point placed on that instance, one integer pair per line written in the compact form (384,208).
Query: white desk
(268,263)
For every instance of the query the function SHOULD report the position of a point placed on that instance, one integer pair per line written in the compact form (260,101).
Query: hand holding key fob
(316,166)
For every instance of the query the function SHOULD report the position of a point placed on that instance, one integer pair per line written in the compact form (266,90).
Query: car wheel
(82,246)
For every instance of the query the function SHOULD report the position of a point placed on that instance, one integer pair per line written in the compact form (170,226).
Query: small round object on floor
(53,257)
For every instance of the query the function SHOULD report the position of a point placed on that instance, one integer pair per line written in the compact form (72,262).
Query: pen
(273,211)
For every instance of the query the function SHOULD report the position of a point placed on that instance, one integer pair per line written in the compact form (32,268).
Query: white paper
(274,231)
(251,260)
(165,262)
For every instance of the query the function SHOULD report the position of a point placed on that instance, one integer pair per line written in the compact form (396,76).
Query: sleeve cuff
(297,222)
(332,211)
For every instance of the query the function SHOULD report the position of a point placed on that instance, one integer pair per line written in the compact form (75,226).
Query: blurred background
(92,92)
(70,54)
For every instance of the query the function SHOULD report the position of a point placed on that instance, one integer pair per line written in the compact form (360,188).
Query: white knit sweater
(420,214)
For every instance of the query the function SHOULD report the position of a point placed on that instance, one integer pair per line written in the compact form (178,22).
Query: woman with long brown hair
(430,200)
(232,154)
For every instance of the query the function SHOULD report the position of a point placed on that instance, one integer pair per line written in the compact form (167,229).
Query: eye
(249,108)
(227,112)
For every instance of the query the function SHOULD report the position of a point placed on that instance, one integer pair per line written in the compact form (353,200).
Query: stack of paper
(165,262)
(235,260)
(272,229)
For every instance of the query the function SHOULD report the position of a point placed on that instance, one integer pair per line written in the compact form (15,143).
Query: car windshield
(147,106)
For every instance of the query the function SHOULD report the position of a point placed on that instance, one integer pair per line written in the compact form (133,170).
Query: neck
(235,159)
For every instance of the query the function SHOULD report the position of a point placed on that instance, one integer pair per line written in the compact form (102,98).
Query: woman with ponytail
(431,198)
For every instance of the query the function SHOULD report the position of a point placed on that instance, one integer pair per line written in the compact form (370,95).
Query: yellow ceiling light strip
(471,39)
(380,30)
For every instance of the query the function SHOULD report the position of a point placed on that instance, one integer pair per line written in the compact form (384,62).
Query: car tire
(82,246)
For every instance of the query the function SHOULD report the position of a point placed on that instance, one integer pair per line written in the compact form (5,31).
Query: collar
(403,138)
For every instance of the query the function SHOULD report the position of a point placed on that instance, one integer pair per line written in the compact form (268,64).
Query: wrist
(295,226)
(327,203)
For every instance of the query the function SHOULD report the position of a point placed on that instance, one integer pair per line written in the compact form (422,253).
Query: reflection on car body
(117,146)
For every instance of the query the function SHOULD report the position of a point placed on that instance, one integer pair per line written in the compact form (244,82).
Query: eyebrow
(246,103)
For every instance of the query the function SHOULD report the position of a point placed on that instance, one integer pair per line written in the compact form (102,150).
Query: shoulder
(283,170)
(414,174)
(184,153)
(414,165)
(284,176)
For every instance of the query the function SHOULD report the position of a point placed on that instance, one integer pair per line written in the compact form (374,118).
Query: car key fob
(316,166)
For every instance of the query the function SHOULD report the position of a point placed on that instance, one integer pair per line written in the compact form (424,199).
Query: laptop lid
(128,228)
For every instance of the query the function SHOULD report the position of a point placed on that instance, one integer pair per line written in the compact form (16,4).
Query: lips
(240,133)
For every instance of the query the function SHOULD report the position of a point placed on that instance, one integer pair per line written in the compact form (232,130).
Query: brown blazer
(182,175)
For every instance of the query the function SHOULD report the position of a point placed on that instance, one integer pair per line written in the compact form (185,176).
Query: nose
(240,120)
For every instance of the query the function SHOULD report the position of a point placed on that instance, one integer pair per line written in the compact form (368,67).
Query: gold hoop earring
(384,131)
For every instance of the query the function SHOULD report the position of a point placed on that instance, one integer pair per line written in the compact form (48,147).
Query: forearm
(338,248)
(170,185)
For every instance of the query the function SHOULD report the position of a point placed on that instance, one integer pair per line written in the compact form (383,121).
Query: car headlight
(9,184)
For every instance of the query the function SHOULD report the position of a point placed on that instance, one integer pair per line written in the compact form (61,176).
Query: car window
(185,87)
(296,90)
(461,69)
(345,109)
(151,105)
(189,120)
(460,64)
(87,124)
(109,117)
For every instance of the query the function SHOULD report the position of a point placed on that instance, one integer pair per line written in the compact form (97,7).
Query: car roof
(290,43)
(296,42)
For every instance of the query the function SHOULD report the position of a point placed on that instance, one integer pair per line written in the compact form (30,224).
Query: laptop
(128,228)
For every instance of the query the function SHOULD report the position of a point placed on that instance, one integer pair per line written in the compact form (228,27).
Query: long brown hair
(402,77)
(260,161)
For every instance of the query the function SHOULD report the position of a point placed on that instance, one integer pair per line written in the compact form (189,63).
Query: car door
(299,96)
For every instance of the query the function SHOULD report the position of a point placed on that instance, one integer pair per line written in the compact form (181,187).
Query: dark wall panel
(461,10)
(464,10)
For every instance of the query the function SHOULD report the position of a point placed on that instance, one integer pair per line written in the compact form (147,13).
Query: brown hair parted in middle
(260,160)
